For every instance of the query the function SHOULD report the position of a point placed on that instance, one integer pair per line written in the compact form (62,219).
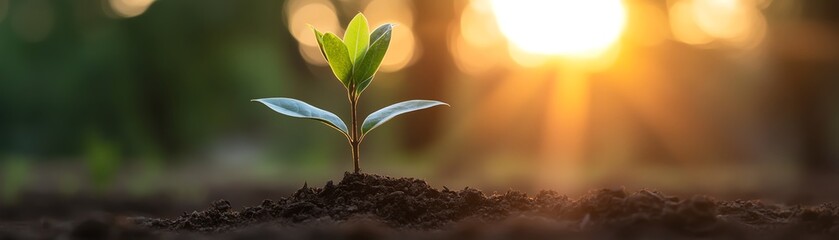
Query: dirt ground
(363,206)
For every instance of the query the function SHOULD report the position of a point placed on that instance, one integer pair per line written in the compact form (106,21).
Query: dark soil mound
(366,206)
(402,202)
(410,205)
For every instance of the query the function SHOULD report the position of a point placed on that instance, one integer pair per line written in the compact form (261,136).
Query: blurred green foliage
(169,81)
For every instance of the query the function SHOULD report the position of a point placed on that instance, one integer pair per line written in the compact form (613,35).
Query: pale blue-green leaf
(299,109)
(369,63)
(383,115)
(357,37)
(338,57)
(319,37)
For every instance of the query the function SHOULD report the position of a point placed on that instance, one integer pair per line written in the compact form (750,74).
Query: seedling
(354,61)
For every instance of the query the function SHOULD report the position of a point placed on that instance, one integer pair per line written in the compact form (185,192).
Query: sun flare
(561,27)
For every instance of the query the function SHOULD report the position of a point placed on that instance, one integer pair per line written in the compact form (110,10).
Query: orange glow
(526,59)
(477,25)
(647,24)
(569,28)
(566,123)
(721,18)
(471,59)
(379,12)
(320,14)
(312,54)
(403,48)
(684,27)
(474,40)
(738,23)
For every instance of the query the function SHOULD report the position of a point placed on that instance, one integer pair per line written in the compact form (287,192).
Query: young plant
(354,61)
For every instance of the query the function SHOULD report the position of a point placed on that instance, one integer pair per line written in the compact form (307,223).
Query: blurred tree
(807,60)
(426,79)
(164,83)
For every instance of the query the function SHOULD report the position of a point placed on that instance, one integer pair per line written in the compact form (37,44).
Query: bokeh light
(474,40)
(320,14)
(4,8)
(312,54)
(402,52)
(403,45)
(471,59)
(736,23)
(379,12)
(129,8)
(684,27)
(478,25)
(724,19)
(33,20)
(573,28)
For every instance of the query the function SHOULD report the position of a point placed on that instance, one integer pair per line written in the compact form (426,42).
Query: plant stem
(354,141)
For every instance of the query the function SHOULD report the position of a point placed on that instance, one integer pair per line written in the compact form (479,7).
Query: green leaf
(356,37)
(380,31)
(369,63)
(319,37)
(338,57)
(299,109)
(383,115)
(363,85)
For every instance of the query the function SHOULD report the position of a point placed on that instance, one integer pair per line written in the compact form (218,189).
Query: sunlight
(569,28)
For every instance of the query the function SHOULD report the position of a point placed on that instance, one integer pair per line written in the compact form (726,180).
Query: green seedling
(354,60)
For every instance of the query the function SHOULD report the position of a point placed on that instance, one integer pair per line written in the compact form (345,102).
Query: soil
(364,206)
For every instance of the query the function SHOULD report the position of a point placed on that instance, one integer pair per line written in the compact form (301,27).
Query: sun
(578,28)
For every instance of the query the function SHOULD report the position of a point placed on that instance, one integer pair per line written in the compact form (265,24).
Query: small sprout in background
(354,61)
(15,174)
(102,158)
